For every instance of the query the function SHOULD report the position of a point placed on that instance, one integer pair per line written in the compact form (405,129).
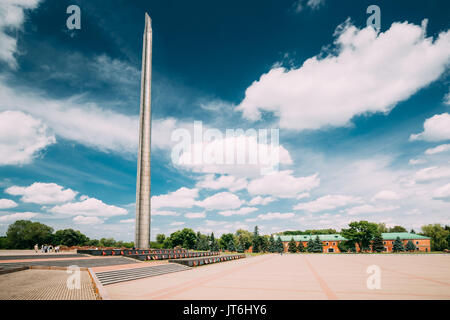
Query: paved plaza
(299,276)
(44,285)
(270,276)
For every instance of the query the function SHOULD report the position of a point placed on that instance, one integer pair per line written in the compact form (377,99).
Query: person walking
(36,248)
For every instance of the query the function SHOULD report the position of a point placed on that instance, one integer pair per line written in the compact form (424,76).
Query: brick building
(331,241)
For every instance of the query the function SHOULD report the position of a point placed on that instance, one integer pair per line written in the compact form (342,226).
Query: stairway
(110,277)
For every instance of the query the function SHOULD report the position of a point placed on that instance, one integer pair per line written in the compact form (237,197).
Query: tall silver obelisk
(143,184)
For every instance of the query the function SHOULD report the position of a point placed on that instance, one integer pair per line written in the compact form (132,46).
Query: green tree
(300,247)
(318,245)
(240,248)
(160,238)
(70,237)
(107,242)
(410,246)
(377,243)
(292,246)
(24,234)
(3,243)
(361,232)
(225,239)
(279,245)
(213,243)
(202,242)
(256,240)
(398,245)
(272,247)
(244,237)
(185,238)
(167,244)
(310,247)
(264,243)
(382,228)
(439,236)
(231,246)
(93,243)
(397,229)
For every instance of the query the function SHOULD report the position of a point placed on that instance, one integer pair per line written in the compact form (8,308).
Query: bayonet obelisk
(143,183)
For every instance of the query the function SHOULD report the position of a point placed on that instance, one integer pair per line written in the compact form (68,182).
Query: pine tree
(279,245)
(256,240)
(398,245)
(272,244)
(318,246)
(410,246)
(240,248)
(377,243)
(300,247)
(213,244)
(310,246)
(231,247)
(292,247)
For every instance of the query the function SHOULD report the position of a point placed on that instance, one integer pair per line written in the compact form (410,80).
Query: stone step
(110,277)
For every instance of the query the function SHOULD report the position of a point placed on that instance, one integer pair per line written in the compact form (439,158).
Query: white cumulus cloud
(231,183)
(12,17)
(258,200)
(239,212)
(22,137)
(7,204)
(370,73)
(181,198)
(327,202)
(220,201)
(89,207)
(436,128)
(87,220)
(282,184)
(195,215)
(17,216)
(42,193)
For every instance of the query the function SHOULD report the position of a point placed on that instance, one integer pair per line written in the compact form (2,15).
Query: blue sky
(363,118)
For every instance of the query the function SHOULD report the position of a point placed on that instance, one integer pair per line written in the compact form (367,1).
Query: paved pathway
(299,276)
(44,285)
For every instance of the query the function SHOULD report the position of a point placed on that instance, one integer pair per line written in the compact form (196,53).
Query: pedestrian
(42,248)
(57,249)
(45,248)
(36,248)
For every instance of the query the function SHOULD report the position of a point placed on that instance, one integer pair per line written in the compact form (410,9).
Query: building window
(384,242)
(327,243)
(417,242)
(334,243)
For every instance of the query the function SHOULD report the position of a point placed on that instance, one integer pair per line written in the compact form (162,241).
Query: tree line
(24,234)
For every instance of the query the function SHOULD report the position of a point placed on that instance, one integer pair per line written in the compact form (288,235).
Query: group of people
(46,248)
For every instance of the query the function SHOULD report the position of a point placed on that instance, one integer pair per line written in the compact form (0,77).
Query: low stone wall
(195,262)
